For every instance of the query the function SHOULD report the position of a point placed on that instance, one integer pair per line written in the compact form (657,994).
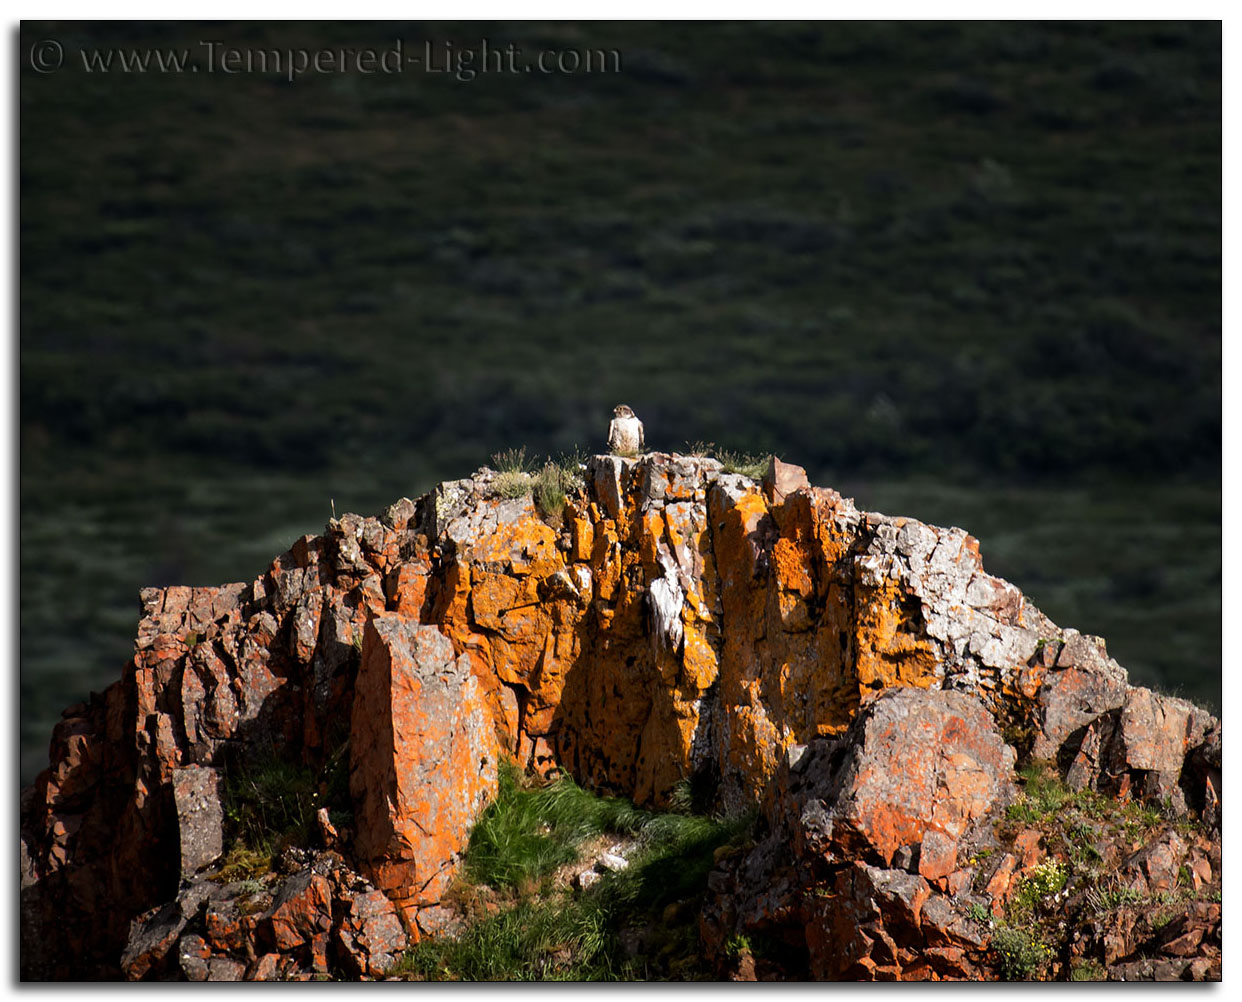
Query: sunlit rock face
(859,676)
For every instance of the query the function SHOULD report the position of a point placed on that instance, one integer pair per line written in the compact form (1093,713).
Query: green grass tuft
(511,461)
(747,464)
(1086,970)
(511,484)
(270,803)
(527,833)
(551,935)
(1043,794)
(554,483)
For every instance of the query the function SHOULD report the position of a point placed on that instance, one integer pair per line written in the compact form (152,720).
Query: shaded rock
(200,816)
(151,939)
(301,910)
(194,955)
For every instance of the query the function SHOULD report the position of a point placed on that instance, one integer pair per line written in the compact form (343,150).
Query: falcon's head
(622,410)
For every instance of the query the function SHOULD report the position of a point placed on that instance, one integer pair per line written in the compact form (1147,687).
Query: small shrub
(699,449)
(1086,970)
(1044,880)
(1021,956)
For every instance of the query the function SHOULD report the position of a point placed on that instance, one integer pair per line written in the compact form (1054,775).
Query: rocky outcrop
(322,917)
(861,677)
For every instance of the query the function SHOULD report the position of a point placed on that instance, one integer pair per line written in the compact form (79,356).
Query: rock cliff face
(859,677)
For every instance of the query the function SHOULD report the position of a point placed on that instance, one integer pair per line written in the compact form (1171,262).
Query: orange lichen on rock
(423,759)
(890,647)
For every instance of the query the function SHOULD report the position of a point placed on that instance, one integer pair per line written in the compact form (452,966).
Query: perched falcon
(625,433)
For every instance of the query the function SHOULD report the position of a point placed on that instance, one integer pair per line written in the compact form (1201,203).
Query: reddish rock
(957,881)
(226,929)
(937,855)
(423,758)
(1159,863)
(1184,945)
(915,762)
(1027,845)
(1071,699)
(301,910)
(328,834)
(369,937)
(782,479)
(1001,882)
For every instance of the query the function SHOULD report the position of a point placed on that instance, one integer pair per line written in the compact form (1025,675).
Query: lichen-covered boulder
(423,759)
(916,765)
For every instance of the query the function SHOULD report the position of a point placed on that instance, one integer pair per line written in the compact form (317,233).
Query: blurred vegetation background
(964,272)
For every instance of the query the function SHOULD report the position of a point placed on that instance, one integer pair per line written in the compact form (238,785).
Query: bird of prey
(625,433)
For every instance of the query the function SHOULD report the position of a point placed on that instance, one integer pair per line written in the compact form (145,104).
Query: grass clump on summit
(554,483)
(747,464)
(513,479)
